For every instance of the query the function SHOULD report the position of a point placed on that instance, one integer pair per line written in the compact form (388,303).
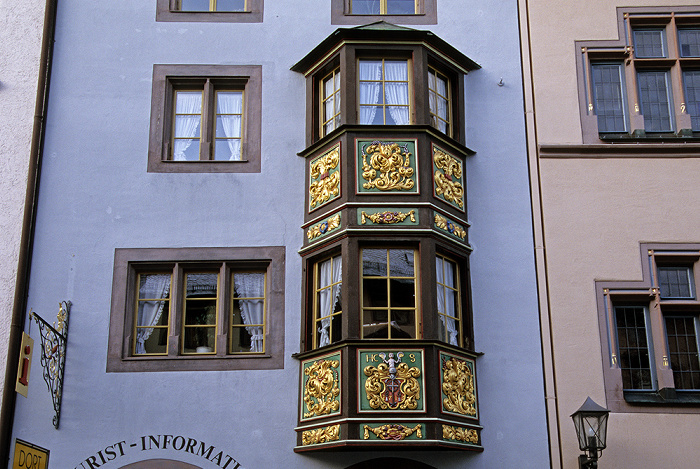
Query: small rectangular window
(211,5)
(691,83)
(655,100)
(689,42)
(649,43)
(210,11)
(383,7)
(681,332)
(152,314)
(328,287)
(200,312)
(448,301)
(330,102)
(384,96)
(389,290)
(633,347)
(608,96)
(676,282)
(439,101)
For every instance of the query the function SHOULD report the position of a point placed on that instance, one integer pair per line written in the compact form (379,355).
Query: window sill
(250,16)
(666,396)
(641,136)
(238,166)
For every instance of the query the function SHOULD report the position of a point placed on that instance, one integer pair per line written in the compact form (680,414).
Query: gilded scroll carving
(326,183)
(388,217)
(389,167)
(392,431)
(449,169)
(445,224)
(323,227)
(392,384)
(458,386)
(467,435)
(320,435)
(321,389)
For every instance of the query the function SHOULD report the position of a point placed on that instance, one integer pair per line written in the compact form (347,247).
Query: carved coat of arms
(392,384)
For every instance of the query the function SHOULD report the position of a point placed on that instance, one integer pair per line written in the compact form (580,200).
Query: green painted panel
(320,389)
(392,431)
(374,216)
(391,380)
(458,386)
(387,167)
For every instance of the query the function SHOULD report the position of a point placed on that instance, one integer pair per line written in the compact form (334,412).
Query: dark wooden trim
(164,12)
(128,261)
(164,77)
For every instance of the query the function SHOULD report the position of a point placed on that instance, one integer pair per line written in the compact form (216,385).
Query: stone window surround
(166,11)
(427,14)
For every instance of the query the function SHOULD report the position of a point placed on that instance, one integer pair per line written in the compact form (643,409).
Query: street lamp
(591,422)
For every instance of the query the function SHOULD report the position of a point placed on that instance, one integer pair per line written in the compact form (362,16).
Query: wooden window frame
(341,14)
(210,78)
(128,263)
(167,10)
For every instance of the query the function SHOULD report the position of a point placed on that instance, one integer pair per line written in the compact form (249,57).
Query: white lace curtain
(188,117)
(229,117)
(154,287)
(446,299)
(395,95)
(250,288)
(438,104)
(330,273)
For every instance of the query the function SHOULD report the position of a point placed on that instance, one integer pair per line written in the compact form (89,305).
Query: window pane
(365,7)
(447,301)
(187,126)
(384,97)
(608,97)
(194,5)
(248,313)
(400,7)
(649,43)
(438,101)
(683,351)
(691,82)
(689,41)
(331,102)
(675,282)
(153,313)
(633,357)
(199,322)
(230,5)
(229,119)
(328,301)
(655,102)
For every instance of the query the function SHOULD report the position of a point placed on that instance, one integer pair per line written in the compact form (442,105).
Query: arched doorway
(390,463)
(159,464)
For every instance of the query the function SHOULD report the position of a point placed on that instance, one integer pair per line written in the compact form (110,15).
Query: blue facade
(96,196)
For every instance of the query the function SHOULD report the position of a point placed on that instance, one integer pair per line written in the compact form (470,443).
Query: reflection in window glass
(689,42)
(675,282)
(200,306)
(649,43)
(608,97)
(683,351)
(655,100)
(633,347)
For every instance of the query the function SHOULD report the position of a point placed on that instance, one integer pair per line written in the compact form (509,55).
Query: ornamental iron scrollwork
(388,217)
(325,177)
(323,227)
(393,431)
(321,388)
(452,228)
(389,167)
(53,354)
(392,384)
(449,169)
(320,435)
(467,435)
(458,387)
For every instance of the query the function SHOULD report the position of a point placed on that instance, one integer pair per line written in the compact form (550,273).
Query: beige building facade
(21,34)
(612,114)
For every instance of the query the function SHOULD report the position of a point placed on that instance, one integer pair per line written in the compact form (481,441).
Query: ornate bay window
(386,344)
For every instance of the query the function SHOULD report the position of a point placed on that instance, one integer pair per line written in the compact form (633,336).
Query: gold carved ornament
(379,378)
(458,386)
(328,185)
(460,434)
(393,431)
(445,224)
(323,228)
(321,388)
(444,181)
(320,435)
(393,164)
(388,217)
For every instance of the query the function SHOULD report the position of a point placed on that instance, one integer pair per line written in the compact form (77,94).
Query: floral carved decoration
(392,384)
(389,167)
(448,177)
(458,387)
(323,227)
(447,225)
(321,388)
(392,432)
(388,217)
(467,435)
(320,435)
(325,178)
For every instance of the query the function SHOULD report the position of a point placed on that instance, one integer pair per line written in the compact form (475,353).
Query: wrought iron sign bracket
(53,353)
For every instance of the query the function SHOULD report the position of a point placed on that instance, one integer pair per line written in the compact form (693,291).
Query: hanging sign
(29,456)
(25,365)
